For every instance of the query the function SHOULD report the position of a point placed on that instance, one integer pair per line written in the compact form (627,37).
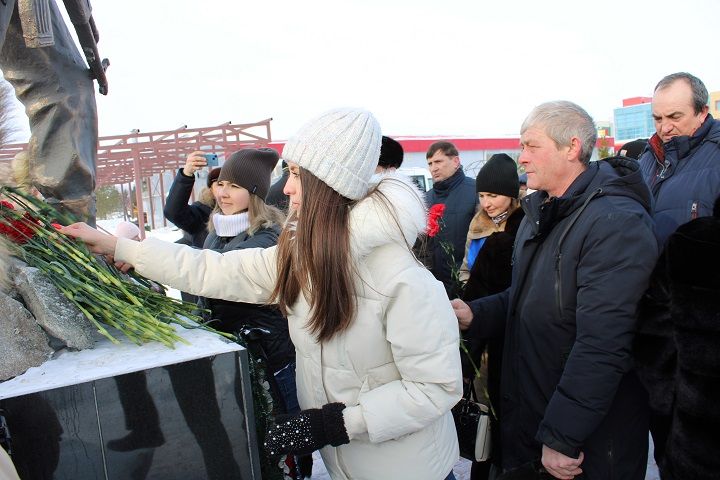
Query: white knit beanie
(340,147)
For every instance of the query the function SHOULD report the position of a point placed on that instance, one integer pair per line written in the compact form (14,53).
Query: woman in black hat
(487,270)
(241,219)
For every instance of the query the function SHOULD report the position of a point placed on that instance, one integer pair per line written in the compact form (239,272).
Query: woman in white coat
(378,366)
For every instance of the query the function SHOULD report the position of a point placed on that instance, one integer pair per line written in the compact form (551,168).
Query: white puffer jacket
(396,368)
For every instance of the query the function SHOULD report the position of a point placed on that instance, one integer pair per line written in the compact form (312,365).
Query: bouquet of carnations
(101,292)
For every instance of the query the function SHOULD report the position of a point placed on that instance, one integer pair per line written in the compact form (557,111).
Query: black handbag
(472,423)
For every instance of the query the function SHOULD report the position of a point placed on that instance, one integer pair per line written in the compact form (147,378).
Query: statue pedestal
(135,412)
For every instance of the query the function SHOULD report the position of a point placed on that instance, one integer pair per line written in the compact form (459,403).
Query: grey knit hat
(340,147)
(250,168)
(499,175)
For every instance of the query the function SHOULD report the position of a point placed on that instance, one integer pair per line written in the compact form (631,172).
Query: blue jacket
(683,175)
(460,199)
(581,263)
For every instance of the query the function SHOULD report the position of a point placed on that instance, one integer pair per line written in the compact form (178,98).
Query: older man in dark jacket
(582,259)
(682,161)
(682,167)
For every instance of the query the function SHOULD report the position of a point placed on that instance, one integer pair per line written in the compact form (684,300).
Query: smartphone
(212,159)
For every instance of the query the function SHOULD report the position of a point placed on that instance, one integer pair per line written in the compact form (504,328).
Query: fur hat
(340,147)
(251,168)
(213,176)
(391,153)
(499,175)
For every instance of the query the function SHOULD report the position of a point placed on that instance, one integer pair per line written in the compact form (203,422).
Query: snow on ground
(169,233)
(109,360)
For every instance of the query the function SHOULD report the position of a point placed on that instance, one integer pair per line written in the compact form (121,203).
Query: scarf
(497,220)
(230,225)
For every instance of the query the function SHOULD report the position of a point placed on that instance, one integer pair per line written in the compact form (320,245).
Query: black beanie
(499,175)
(391,153)
(213,176)
(251,169)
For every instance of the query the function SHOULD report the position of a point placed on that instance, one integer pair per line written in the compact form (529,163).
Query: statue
(40,60)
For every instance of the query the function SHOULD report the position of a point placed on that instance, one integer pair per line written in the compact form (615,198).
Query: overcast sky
(443,67)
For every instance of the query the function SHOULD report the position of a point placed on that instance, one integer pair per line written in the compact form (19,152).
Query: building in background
(634,119)
(606,141)
(604,128)
(715,104)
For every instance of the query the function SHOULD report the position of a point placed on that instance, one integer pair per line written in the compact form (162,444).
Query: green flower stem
(103,294)
(478,374)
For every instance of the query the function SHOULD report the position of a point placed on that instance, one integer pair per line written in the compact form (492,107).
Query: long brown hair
(314,259)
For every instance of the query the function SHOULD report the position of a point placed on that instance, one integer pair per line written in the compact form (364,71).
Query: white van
(421,177)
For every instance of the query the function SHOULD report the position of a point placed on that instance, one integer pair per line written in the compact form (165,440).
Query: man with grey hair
(682,167)
(583,255)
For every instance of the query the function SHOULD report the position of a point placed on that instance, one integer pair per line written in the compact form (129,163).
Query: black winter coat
(684,177)
(458,195)
(193,218)
(691,275)
(581,263)
(233,316)
(490,274)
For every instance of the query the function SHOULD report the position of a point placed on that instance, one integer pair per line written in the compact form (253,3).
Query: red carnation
(435,213)
(20,230)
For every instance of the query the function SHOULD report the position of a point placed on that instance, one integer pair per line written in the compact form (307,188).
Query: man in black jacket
(582,259)
(457,192)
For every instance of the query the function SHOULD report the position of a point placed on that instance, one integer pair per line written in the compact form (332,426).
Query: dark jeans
(451,476)
(285,382)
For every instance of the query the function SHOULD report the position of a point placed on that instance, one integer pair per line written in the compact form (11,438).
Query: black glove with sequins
(308,431)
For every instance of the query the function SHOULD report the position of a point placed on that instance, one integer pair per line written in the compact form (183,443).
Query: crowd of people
(584,289)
